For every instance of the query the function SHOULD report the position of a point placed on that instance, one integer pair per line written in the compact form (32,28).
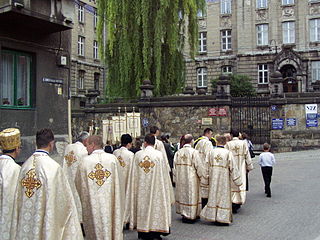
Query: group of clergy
(109,192)
(211,181)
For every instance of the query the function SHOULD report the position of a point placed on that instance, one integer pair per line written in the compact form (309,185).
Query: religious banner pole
(125,112)
(134,123)
(119,110)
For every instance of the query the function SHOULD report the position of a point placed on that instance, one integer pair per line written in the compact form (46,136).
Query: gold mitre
(10,139)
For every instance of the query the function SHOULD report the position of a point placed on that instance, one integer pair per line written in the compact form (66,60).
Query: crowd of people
(98,192)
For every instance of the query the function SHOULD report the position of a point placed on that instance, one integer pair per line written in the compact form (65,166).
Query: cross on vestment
(218,158)
(236,149)
(70,158)
(31,182)
(184,158)
(121,161)
(100,174)
(146,164)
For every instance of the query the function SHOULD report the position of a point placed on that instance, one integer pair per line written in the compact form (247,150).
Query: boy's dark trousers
(267,173)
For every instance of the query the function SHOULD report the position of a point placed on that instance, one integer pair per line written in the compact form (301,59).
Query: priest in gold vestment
(188,170)
(73,155)
(222,172)
(150,193)
(102,198)
(44,206)
(204,146)
(125,159)
(9,171)
(242,158)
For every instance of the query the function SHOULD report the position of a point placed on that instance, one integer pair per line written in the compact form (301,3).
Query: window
(80,83)
(262,34)
(201,13)
(96,79)
(95,18)
(202,77)
(315,30)
(80,46)
(80,13)
(225,7)
(95,49)
(226,70)
(315,68)
(226,39)
(202,42)
(288,32)
(263,74)
(15,79)
(262,3)
(287,2)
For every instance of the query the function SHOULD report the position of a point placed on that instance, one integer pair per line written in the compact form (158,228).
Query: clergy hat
(10,139)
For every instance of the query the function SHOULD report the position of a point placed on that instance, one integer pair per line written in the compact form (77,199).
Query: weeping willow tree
(145,40)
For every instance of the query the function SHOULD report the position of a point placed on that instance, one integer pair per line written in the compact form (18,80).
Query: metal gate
(252,116)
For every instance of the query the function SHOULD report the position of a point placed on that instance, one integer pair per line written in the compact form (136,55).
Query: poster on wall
(291,122)
(311,115)
(277,123)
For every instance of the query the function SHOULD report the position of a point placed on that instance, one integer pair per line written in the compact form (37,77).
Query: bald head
(188,139)
(93,143)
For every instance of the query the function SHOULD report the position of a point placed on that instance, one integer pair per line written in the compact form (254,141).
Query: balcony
(41,16)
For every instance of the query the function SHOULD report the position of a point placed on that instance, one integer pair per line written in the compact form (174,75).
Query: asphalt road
(292,213)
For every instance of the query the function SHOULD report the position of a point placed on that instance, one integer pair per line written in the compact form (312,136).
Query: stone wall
(299,137)
(175,116)
(183,114)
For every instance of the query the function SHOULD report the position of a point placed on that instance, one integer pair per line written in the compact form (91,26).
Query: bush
(241,86)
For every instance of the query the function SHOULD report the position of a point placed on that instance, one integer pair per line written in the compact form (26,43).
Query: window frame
(227,38)
(96,80)
(286,2)
(315,71)
(227,67)
(81,12)
(201,75)
(287,30)
(316,28)
(95,18)
(226,7)
(95,50)
(81,46)
(203,42)
(263,72)
(261,4)
(30,93)
(264,34)
(81,79)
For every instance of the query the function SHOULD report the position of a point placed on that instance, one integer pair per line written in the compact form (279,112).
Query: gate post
(276,84)
(223,87)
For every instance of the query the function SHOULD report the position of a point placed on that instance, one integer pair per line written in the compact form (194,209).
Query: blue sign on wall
(145,122)
(277,123)
(291,122)
(312,123)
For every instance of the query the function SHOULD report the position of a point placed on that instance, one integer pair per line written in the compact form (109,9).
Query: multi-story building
(257,38)
(35,42)
(87,69)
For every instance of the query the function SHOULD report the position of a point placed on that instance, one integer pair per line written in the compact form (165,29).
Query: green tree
(241,86)
(145,40)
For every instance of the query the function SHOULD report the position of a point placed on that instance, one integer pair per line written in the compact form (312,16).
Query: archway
(289,74)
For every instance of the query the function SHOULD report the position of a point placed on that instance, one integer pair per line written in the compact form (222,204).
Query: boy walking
(266,161)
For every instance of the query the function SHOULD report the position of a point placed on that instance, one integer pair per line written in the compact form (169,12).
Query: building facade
(87,72)
(257,38)
(35,45)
